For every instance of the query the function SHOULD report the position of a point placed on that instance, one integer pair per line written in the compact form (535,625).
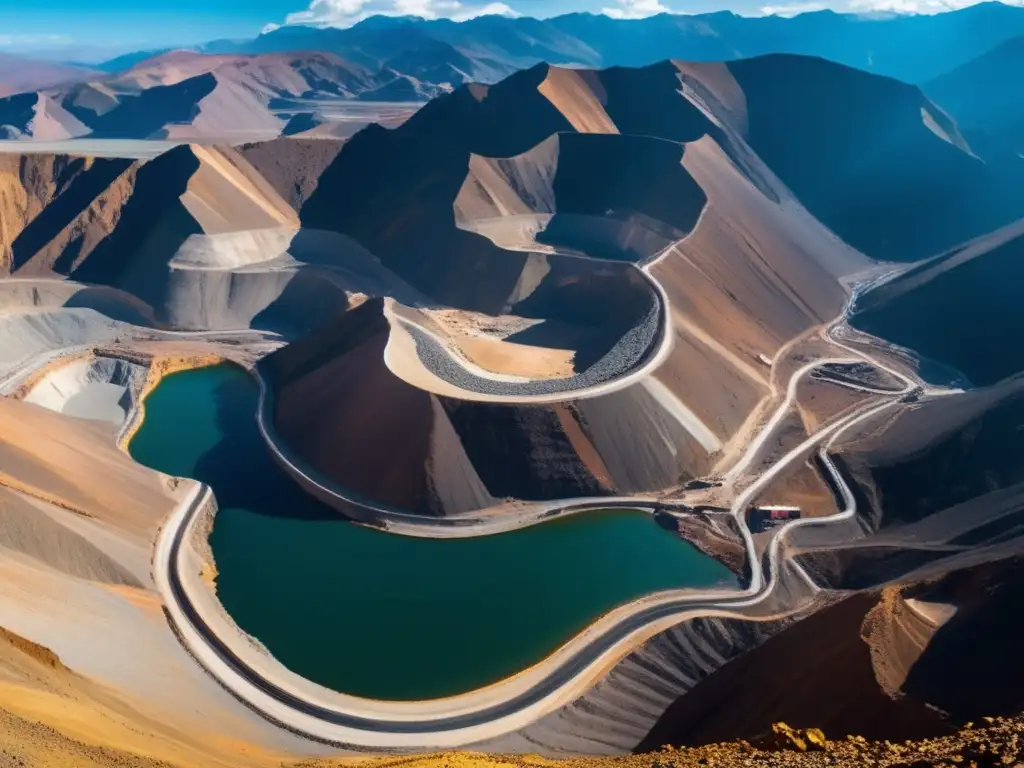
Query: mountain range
(286,80)
(912,48)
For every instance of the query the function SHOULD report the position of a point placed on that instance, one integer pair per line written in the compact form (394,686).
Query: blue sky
(88,29)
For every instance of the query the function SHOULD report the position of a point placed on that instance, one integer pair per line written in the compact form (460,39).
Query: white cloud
(915,6)
(792,9)
(345,13)
(635,9)
(491,9)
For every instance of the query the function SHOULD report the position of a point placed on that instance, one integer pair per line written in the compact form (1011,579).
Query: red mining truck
(766,516)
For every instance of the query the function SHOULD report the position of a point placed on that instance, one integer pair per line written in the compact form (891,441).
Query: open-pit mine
(588,411)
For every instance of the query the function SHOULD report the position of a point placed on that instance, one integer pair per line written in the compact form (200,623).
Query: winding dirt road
(301,706)
(513,703)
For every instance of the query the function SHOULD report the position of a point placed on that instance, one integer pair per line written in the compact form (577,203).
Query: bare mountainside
(569,291)
(543,198)
(185,95)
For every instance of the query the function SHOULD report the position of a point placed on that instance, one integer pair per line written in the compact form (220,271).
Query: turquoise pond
(386,616)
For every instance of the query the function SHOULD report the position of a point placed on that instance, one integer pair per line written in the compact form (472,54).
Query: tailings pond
(380,615)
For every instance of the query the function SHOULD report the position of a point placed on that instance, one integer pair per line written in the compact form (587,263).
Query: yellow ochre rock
(785,737)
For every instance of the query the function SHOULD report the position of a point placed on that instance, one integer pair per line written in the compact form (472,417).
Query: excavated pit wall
(635,346)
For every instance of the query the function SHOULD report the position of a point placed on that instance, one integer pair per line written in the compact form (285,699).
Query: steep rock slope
(207,190)
(198,234)
(292,166)
(883,665)
(956,309)
(185,232)
(28,184)
(38,116)
(872,158)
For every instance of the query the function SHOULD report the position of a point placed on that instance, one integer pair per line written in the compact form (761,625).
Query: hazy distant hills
(911,48)
(183,94)
(234,89)
(18,74)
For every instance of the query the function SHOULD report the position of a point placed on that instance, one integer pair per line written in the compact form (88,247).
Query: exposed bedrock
(151,224)
(292,166)
(198,236)
(524,452)
(445,455)
(518,113)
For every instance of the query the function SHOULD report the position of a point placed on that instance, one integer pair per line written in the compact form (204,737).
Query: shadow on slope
(233,465)
(153,226)
(616,176)
(965,315)
(83,190)
(587,306)
(972,667)
(858,152)
(17,112)
(816,674)
(392,191)
(984,93)
(153,109)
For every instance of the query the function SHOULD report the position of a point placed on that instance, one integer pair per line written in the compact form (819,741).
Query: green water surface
(381,615)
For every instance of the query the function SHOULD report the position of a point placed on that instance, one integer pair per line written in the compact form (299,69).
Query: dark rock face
(962,317)
(982,456)
(856,151)
(143,115)
(521,451)
(400,209)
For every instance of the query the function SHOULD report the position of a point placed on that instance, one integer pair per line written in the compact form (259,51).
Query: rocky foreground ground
(993,742)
